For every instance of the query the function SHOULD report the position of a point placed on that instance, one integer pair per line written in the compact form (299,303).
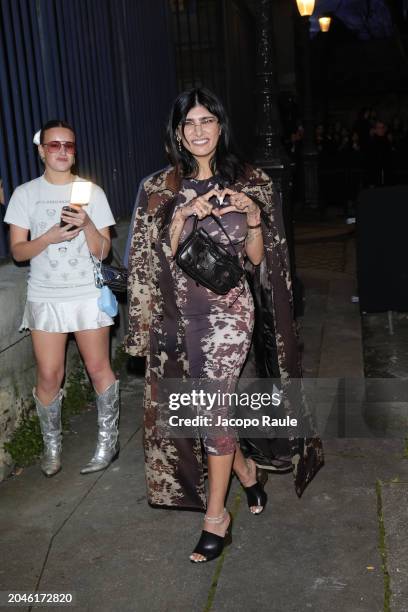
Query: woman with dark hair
(188,331)
(62,297)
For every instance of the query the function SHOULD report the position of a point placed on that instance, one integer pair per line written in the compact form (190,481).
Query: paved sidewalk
(96,536)
(341,548)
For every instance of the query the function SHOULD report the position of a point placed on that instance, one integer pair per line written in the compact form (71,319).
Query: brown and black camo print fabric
(185,330)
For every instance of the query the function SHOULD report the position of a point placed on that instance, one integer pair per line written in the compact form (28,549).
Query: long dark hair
(225,162)
(53,124)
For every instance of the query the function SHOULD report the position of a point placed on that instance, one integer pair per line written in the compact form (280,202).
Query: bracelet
(254,226)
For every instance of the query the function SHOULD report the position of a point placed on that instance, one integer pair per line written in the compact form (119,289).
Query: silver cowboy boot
(50,423)
(107,448)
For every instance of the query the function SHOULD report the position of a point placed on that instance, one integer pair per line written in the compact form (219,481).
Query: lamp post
(310,160)
(270,153)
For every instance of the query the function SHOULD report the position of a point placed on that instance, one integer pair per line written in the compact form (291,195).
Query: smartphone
(68,209)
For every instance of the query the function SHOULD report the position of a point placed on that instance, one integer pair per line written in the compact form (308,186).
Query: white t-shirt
(63,271)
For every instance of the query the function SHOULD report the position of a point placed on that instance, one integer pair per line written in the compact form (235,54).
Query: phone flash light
(81,193)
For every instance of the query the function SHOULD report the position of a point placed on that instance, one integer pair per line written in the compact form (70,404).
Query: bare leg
(219,473)
(93,345)
(245,469)
(49,351)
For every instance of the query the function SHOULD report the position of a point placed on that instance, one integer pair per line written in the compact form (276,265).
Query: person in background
(1,200)
(378,156)
(62,297)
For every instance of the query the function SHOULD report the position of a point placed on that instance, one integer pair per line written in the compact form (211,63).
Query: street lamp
(324,23)
(305,7)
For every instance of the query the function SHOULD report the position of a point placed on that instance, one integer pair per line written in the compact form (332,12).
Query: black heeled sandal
(210,545)
(256,495)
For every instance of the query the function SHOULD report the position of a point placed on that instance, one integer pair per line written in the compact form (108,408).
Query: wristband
(254,226)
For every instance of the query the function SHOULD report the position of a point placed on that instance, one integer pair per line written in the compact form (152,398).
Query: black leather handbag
(114,277)
(209,263)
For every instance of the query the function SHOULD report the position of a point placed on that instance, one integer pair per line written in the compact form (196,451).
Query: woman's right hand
(200,206)
(57,234)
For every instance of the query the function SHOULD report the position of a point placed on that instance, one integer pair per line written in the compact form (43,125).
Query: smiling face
(201,133)
(58,159)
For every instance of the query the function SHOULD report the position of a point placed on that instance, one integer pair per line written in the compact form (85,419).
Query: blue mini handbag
(107,302)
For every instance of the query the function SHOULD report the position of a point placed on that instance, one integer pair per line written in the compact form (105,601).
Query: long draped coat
(174,471)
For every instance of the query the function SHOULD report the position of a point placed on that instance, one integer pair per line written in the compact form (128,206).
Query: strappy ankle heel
(210,545)
(255,494)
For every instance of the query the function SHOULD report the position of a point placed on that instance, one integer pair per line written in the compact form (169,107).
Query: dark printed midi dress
(218,328)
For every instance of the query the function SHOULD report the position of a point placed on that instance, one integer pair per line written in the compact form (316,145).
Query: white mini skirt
(64,317)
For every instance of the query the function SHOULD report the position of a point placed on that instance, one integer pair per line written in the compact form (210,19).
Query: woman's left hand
(238,202)
(79,218)
(241,203)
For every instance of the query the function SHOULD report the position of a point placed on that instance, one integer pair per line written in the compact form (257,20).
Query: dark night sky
(366,18)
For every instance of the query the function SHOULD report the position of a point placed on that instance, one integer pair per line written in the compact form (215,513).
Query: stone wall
(17,366)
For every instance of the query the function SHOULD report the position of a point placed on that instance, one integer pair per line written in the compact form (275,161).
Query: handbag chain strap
(220,225)
(97,264)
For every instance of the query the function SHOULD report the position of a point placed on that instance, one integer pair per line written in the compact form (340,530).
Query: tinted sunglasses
(54,146)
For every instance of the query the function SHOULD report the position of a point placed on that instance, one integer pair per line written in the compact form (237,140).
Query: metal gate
(215,47)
